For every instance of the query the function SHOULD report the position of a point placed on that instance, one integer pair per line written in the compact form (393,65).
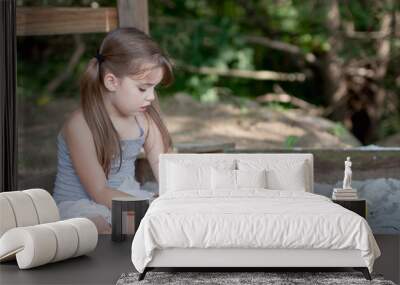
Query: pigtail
(154,112)
(105,136)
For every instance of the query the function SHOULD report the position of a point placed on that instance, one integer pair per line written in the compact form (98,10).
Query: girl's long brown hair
(126,51)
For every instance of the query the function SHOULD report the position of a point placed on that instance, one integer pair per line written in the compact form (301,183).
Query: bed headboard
(204,157)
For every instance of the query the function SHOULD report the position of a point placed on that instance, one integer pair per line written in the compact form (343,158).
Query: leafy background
(212,33)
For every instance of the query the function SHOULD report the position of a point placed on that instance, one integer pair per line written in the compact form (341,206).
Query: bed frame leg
(364,271)
(143,274)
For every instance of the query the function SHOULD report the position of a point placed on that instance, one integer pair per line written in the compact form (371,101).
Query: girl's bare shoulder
(76,125)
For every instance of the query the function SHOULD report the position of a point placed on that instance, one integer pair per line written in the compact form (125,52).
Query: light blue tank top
(68,186)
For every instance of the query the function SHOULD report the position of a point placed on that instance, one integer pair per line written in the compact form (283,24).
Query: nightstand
(358,206)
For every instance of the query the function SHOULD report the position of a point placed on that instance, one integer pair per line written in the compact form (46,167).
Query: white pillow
(223,179)
(251,178)
(288,174)
(181,178)
(186,175)
(231,180)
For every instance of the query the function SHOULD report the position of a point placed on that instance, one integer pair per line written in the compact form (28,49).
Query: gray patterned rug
(230,278)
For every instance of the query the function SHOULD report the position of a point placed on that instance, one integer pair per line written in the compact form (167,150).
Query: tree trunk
(375,110)
(356,99)
(334,87)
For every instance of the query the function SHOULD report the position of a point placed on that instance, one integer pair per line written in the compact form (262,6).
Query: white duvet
(250,219)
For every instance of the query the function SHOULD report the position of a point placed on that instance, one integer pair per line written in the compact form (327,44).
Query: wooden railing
(33,21)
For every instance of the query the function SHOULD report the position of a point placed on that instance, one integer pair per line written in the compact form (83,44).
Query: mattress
(250,219)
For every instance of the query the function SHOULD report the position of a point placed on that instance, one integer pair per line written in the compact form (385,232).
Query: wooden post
(133,13)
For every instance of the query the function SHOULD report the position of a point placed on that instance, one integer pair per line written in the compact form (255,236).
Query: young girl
(118,114)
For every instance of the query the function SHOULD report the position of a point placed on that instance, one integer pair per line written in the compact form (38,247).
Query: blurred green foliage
(210,33)
(290,142)
(338,130)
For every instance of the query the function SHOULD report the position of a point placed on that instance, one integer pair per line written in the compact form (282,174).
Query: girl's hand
(103,227)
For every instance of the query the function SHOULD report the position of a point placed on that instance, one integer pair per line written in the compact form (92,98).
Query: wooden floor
(111,259)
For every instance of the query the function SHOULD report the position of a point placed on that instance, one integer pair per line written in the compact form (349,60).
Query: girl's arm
(153,145)
(84,159)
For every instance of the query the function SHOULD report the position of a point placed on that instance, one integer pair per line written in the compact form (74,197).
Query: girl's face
(133,95)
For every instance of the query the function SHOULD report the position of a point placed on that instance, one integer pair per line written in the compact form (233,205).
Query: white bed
(285,225)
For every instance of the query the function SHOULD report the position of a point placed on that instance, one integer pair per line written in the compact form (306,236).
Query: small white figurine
(347,174)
